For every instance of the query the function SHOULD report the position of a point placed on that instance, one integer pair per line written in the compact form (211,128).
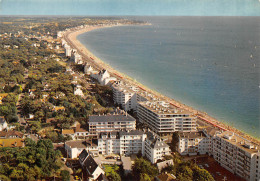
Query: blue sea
(209,63)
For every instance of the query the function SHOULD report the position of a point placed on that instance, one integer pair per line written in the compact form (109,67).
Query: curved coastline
(71,38)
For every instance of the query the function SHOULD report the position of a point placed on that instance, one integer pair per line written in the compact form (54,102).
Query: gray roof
(155,141)
(132,132)
(110,118)
(83,155)
(90,164)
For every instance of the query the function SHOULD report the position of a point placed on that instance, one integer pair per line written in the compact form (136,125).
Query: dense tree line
(34,161)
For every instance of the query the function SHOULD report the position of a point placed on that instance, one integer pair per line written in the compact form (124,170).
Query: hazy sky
(131,7)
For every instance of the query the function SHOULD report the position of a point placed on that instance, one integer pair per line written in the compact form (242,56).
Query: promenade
(71,38)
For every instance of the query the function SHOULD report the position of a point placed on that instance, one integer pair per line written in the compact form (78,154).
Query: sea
(209,63)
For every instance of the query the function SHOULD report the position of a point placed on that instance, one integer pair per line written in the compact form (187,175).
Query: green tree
(113,176)
(145,177)
(143,166)
(175,140)
(65,175)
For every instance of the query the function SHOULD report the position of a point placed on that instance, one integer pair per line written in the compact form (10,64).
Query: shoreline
(71,38)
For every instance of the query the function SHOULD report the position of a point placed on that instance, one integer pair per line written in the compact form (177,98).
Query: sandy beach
(71,38)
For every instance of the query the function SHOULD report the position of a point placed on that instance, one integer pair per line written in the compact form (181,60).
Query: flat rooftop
(239,141)
(111,118)
(125,87)
(193,135)
(161,107)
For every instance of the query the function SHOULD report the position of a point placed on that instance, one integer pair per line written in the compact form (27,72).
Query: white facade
(88,69)
(155,148)
(78,91)
(74,148)
(123,143)
(110,123)
(103,77)
(194,143)
(3,124)
(163,118)
(237,155)
(125,95)
(67,50)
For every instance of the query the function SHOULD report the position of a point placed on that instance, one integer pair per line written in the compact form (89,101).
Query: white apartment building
(122,142)
(67,50)
(111,122)
(163,118)
(193,143)
(155,148)
(125,95)
(237,155)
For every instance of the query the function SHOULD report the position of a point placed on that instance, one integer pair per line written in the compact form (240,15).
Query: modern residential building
(155,148)
(111,122)
(67,50)
(193,143)
(122,142)
(237,155)
(125,95)
(163,118)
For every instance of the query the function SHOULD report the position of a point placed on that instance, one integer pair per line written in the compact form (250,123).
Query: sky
(131,7)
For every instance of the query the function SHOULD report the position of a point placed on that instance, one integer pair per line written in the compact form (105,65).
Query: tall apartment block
(163,118)
(237,155)
(110,123)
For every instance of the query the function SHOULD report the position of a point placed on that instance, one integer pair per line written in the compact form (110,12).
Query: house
(2,96)
(11,134)
(76,132)
(155,148)
(12,142)
(78,91)
(90,166)
(103,77)
(3,124)
(88,69)
(75,147)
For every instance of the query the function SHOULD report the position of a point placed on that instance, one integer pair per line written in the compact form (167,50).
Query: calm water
(210,63)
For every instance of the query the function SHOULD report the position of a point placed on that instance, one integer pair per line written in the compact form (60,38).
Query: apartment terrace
(239,142)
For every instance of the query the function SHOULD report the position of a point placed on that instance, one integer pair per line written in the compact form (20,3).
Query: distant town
(66,115)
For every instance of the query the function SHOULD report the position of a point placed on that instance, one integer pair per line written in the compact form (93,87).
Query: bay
(209,63)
